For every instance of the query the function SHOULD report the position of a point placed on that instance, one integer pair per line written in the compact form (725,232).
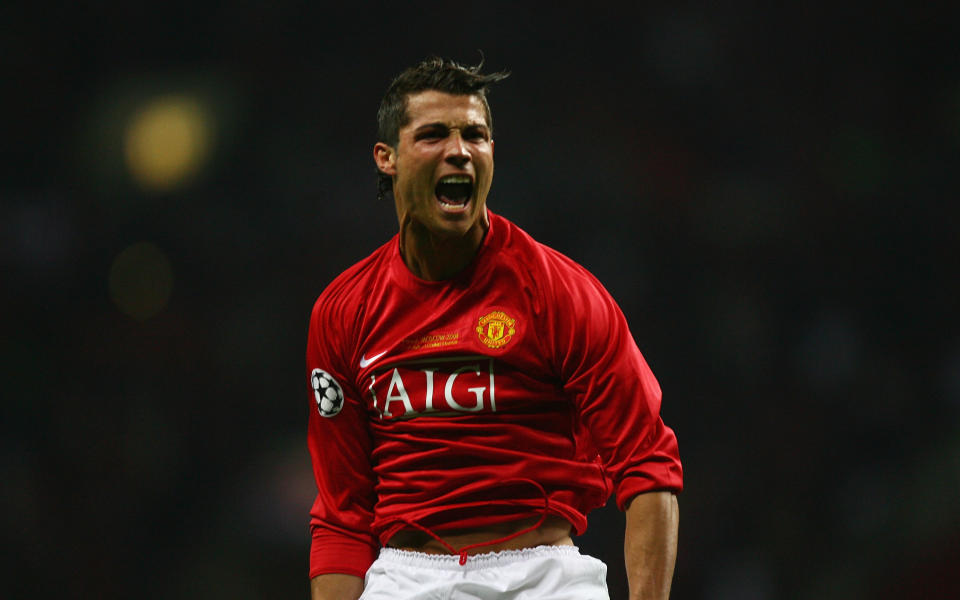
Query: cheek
(419,170)
(488,171)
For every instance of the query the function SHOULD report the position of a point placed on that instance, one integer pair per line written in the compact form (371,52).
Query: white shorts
(554,572)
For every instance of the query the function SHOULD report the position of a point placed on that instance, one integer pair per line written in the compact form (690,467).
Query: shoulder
(546,265)
(346,293)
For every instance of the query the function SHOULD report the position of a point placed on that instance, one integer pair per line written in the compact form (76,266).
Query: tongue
(453,193)
(446,200)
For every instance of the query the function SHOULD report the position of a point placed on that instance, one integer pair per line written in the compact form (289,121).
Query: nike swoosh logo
(366,362)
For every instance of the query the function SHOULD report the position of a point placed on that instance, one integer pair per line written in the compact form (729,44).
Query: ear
(386,158)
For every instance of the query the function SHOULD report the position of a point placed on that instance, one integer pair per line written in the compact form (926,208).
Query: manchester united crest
(496,329)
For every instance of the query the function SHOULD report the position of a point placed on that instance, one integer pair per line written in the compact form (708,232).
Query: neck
(435,258)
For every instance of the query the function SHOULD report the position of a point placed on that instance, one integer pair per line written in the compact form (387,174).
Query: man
(475,393)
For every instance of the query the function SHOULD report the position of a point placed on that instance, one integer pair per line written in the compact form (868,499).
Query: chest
(456,353)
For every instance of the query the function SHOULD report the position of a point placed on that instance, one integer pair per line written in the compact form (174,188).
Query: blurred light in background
(141,139)
(167,141)
(141,280)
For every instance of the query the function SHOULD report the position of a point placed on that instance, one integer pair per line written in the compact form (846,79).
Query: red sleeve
(616,395)
(339,442)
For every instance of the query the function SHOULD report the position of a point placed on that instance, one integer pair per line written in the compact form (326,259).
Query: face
(442,166)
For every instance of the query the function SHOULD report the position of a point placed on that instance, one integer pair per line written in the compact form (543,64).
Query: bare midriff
(554,531)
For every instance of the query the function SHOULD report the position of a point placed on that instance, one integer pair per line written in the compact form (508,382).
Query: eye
(476,134)
(431,134)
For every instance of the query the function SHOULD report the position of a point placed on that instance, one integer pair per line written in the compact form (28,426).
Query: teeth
(455,179)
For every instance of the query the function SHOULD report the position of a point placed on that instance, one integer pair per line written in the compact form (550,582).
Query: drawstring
(463,551)
(413,523)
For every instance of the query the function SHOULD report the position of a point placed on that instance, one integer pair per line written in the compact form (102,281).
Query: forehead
(432,106)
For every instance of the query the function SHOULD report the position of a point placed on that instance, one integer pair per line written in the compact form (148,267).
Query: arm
(334,586)
(650,544)
(617,399)
(342,541)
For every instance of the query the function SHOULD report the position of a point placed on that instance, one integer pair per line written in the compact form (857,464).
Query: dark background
(767,191)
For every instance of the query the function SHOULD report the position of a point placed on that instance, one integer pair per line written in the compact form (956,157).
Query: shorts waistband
(451,562)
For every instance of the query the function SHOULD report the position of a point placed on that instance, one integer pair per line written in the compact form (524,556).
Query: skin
(555,531)
(335,586)
(446,135)
(650,544)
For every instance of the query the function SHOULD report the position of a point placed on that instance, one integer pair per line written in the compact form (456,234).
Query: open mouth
(454,191)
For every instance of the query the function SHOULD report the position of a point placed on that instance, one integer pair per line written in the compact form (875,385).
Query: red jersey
(513,389)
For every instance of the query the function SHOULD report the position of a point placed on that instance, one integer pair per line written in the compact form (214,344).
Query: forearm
(650,544)
(335,586)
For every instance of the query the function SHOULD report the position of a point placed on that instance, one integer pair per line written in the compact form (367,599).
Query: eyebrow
(441,125)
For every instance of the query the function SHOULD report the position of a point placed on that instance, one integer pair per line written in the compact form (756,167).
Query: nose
(456,152)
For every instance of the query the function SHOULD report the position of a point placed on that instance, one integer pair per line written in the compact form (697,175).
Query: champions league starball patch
(495,329)
(327,392)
